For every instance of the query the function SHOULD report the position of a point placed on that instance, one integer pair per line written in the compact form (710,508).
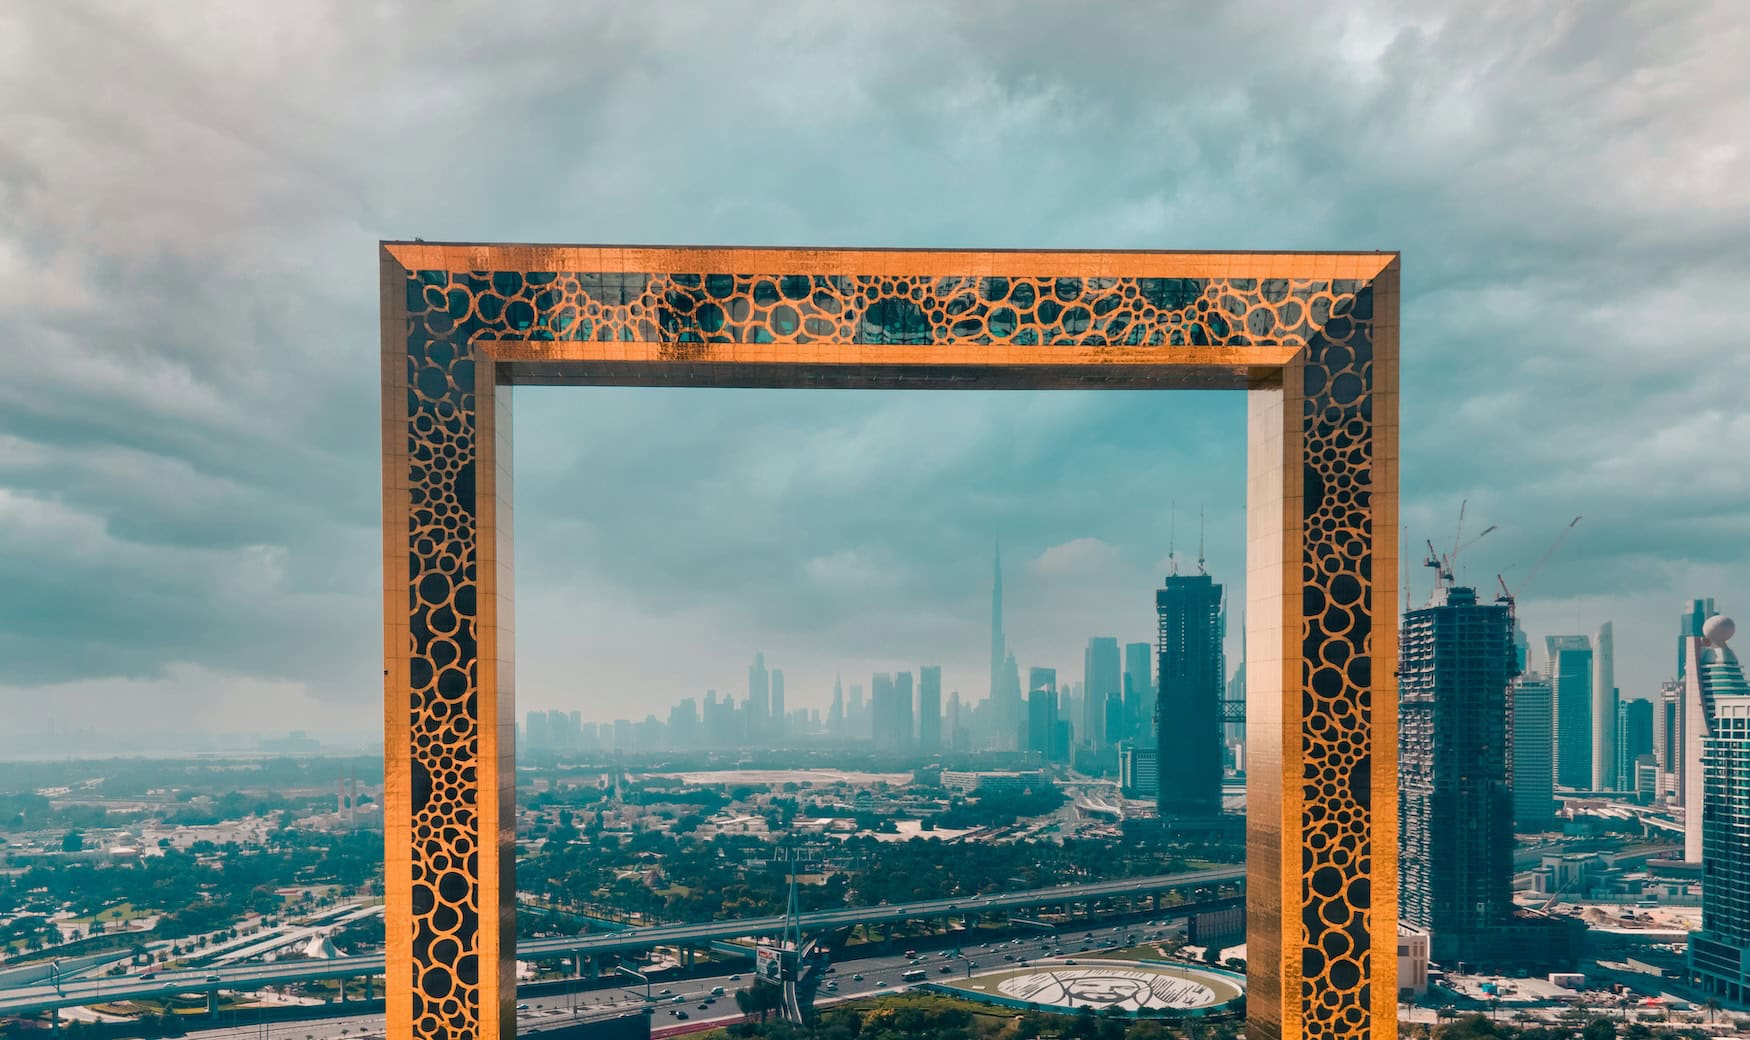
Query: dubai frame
(1311,337)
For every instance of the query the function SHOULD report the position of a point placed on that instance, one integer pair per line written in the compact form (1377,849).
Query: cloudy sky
(191,194)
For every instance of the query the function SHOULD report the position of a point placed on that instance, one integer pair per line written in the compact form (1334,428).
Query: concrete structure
(1455,810)
(1188,730)
(1412,960)
(1570,674)
(1138,772)
(971,782)
(1534,802)
(1719,955)
(1604,709)
(1311,337)
(1101,678)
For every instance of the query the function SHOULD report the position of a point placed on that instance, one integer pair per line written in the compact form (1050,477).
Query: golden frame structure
(1312,338)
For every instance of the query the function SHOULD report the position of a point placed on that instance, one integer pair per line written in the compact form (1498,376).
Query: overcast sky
(191,196)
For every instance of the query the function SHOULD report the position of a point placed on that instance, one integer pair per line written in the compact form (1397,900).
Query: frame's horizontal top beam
(781,375)
(532,358)
(473,256)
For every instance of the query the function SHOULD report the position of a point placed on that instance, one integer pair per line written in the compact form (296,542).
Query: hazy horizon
(189,446)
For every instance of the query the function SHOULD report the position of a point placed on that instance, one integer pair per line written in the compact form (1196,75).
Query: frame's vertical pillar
(1321,714)
(449,744)
(397,657)
(1272,744)
(497,778)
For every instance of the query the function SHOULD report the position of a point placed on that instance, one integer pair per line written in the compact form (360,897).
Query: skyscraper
(1235,732)
(835,715)
(1634,738)
(883,711)
(1455,810)
(1668,741)
(857,715)
(779,719)
(1011,733)
(904,728)
(1139,687)
(930,708)
(1570,674)
(1188,723)
(1689,627)
(1604,710)
(1003,712)
(1719,955)
(1041,709)
(1534,798)
(1100,678)
(1114,722)
(759,697)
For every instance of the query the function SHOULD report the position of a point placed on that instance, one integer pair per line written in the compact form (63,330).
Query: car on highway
(833,986)
(1008,956)
(149,976)
(881,985)
(717,991)
(678,999)
(1069,960)
(735,978)
(946,969)
(704,1007)
(666,992)
(215,978)
(856,978)
(522,1007)
(682,1015)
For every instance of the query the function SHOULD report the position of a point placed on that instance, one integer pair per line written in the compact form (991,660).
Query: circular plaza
(1145,989)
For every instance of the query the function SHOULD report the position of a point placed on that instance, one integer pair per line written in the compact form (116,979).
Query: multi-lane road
(71,993)
(863,977)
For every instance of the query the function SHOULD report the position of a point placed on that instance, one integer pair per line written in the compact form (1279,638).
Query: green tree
(73,842)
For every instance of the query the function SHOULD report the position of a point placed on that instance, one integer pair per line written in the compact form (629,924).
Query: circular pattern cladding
(681,309)
(1131,987)
(1336,641)
(447,312)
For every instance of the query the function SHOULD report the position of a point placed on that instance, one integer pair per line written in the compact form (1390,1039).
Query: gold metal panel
(1312,335)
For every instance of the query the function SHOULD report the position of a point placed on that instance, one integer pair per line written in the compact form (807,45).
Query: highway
(83,991)
(878,975)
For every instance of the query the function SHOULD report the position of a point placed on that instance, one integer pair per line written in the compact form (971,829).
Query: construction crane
(1442,573)
(1507,595)
(1446,567)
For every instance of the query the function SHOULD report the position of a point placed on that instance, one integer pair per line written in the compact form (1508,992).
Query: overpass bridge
(33,999)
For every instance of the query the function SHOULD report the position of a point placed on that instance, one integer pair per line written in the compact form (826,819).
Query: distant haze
(192,195)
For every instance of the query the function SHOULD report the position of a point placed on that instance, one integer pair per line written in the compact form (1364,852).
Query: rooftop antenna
(1200,569)
(1403,572)
(1172,532)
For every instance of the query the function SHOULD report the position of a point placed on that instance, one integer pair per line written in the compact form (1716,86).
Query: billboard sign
(769,964)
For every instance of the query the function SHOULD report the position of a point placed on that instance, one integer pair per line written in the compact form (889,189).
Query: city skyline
(189,544)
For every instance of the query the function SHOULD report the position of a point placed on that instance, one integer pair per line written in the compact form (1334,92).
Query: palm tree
(1712,1006)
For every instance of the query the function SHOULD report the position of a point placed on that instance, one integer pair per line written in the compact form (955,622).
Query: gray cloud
(190,197)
